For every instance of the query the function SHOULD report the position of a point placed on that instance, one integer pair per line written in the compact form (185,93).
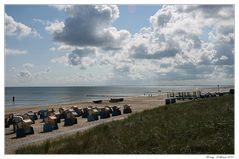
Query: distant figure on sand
(13,99)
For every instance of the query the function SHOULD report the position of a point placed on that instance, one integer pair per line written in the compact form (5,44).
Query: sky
(78,45)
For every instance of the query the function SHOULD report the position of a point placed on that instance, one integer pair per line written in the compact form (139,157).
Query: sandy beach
(138,104)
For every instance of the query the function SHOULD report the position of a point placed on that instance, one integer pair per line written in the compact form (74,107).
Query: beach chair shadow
(42,132)
(10,133)
(20,137)
(14,137)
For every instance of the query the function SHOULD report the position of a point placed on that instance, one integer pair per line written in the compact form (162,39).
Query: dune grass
(197,127)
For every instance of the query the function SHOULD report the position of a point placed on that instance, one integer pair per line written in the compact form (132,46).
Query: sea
(42,96)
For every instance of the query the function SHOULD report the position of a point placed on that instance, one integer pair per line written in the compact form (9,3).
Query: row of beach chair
(51,118)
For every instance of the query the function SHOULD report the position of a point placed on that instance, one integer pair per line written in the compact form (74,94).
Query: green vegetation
(198,127)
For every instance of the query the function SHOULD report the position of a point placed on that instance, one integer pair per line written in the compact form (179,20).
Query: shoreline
(18,108)
(68,102)
(138,104)
(99,96)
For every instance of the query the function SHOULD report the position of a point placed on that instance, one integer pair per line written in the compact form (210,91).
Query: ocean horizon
(42,96)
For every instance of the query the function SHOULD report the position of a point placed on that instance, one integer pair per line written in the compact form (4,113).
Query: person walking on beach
(13,99)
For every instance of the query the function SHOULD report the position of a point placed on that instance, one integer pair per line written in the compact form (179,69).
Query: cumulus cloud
(78,57)
(61,60)
(142,52)
(42,74)
(182,25)
(55,27)
(27,74)
(162,17)
(62,7)
(9,51)
(28,66)
(24,75)
(209,11)
(174,39)
(223,58)
(20,30)
(63,48)
(173,48)
(91,25)
(222,39)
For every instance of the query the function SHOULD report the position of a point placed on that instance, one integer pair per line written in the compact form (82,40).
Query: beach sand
(12,143)
(138,104)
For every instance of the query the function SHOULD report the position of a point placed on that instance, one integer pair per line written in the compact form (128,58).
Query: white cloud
(24,75)
(52,49)
(61,7)
(181,26)
(83,58)
(28,74)
(174,36)
(20,30)
(28,66)
(55,27)
(91,25)
(170,49)
(78,56)
(42,74)
(43,22)
(9,51)
(223,58)
(63,47)
(61,60)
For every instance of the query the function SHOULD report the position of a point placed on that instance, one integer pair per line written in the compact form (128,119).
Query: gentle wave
(28,100)
(102,95)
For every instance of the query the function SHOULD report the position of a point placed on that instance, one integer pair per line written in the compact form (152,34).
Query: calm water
(50,95)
